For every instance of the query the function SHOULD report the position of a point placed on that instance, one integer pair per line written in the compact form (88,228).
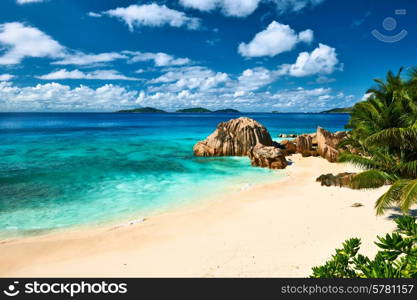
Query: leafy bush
(397,257)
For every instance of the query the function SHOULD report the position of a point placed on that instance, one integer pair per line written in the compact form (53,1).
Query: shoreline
(233,188)
(278,229)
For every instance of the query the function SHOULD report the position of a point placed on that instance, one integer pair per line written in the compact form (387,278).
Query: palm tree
(384,137)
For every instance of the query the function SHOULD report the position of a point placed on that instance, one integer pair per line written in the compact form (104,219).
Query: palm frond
(403,193)
(394,137)
(359,161)
(388,199)
(406,169)
(371,179)
(408,196)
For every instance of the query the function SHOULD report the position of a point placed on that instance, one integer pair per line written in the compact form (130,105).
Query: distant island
(185,110)
(227,111)
(224,111)
(194,110)
(345,110)
(142,110)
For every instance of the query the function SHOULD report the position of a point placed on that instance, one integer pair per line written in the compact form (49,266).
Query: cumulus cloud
(253,79)
(153,15)
(195,77)
(20,41)
(178,87)
(203,5)
(6,77)
(58,97)
(275,39)
(160,59)
(243,8)
(28,1)
(251,91)
(234,8)
(322,60)
(77,74)
(81,59)
(203,79)
(298,99)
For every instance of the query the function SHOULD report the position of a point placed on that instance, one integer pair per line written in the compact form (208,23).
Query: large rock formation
(233,138)
(304,143)
(289,146)
(341,179)
(267,157)
(323,143)
(327,143)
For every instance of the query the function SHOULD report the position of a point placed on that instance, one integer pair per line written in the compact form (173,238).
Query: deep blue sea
(60,170)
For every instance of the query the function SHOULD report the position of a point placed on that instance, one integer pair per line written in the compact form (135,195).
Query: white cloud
(275,39)
(300,95)
(189,86)
(160,59)
(299,99)
(234,8)
(322,60)
(324,79)
(94,15)
(58,97)
(203,5)
(243,8)
(293,6)
(81,59)
(178,88)
(20,41)
(239,94)
(366,96)
(196,77)
(28,1)
(306,36)
(153,15)
(77,74)
(6,77)
(253,79)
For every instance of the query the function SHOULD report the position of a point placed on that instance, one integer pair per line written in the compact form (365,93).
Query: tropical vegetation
(383,141)
(397,257)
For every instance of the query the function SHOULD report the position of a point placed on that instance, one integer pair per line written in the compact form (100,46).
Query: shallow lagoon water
(66,169)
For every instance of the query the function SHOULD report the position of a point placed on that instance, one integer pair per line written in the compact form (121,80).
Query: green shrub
(397,257)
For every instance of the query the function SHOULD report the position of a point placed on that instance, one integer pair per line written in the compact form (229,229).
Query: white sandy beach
(278,230)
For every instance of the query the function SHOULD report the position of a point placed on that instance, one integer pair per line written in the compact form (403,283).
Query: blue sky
(251,55)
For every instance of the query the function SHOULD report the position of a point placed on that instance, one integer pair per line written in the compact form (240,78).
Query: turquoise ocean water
(59,170)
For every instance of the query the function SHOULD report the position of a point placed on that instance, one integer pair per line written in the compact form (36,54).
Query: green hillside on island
(345,110)
(194,110)
(142,110)
(205,110)
(227,111)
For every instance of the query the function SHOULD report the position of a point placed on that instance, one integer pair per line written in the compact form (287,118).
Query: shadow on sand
(396,213)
